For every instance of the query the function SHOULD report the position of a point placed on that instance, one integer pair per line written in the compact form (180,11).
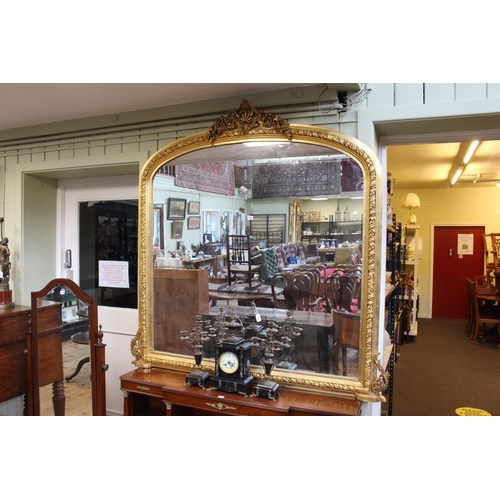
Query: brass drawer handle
(220,406)
(143,388)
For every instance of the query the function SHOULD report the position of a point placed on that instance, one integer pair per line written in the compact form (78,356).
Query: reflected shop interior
(304,194)
(266,239)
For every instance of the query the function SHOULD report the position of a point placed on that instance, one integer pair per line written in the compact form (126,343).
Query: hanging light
(409,201)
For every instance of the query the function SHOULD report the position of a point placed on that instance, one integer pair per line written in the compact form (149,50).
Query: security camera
(243,189)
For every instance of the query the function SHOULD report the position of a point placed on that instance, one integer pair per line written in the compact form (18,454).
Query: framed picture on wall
(194,208)
(313,217)
(176,209)
(194,222)
(177,230)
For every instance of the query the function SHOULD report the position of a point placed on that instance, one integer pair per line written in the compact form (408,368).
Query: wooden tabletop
(240,292)
(488,293)
(272,314)
(171,387)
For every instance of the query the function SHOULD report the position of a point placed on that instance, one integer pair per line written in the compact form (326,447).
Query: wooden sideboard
(162,392)
(14,329)
(179,294)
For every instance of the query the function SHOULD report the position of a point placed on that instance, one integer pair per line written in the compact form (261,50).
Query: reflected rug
(212,177)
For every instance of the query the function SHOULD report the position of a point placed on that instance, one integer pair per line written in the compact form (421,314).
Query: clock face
(229,362)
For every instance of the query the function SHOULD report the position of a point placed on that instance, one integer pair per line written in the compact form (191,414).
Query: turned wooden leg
(58,398)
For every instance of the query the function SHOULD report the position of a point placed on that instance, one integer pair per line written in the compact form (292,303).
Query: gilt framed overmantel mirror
(276,168)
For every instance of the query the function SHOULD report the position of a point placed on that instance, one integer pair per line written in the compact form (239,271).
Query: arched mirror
(265,176)
(66,369)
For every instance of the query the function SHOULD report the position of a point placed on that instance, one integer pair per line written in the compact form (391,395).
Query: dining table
(240,292)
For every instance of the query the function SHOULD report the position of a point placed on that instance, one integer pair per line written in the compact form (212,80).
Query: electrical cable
(355,99)
(334,105)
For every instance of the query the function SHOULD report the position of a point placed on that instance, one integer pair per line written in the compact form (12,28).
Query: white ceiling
(28,104)
(428,165)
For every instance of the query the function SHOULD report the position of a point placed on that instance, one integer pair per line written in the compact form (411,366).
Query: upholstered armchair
(280,257)
(302,251)
(268,263)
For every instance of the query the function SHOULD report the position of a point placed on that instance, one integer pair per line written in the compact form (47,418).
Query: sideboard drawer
(215,402)
(142,388)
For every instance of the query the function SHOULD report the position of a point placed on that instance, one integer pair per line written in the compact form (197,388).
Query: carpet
(211,177)
(441,370)
(271,180)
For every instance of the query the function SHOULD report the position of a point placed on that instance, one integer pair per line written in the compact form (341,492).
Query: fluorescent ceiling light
(470,152)
(319,199)
(458,173)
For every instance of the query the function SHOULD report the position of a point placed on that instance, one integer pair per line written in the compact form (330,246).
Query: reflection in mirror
(269,175)
(158,231)
(65,352)
(211,225)
(304,213)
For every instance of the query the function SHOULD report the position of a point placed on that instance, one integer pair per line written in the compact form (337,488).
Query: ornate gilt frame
(249,124)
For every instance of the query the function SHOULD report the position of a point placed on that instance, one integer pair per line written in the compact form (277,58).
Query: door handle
(450,252)
(67,256)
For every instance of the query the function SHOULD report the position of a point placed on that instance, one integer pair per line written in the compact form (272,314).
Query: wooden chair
(481,313)
(342,291)
(346,330)
(491,251)
(299,291)
(239,261)
(318,275)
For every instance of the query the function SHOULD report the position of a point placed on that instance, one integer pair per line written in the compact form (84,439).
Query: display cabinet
(412,241)
(394,302)
(332,231)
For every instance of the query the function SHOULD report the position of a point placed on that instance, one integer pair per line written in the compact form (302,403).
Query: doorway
(457,255)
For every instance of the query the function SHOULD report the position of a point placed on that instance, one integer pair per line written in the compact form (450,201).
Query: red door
(449,292)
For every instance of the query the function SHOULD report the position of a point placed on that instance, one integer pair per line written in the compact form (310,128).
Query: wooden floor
(78,390)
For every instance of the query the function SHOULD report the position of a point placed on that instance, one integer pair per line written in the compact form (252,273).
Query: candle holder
(197,337)
(287,333)
(268,388)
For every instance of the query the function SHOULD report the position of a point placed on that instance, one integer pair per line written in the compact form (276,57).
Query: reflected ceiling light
(258,144)
(409,201)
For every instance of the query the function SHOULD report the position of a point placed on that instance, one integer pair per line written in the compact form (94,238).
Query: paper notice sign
(113,274)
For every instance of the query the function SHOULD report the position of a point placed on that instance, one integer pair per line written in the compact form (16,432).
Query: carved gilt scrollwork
(245,119)
(380,383)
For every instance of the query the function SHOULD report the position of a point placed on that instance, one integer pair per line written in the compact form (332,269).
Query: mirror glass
(321,190)
(71,347)
(64,342)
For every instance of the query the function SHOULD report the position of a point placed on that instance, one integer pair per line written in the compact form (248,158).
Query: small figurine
(5,291)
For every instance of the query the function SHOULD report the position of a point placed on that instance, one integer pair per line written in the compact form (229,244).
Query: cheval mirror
(63,339)
(282,166)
